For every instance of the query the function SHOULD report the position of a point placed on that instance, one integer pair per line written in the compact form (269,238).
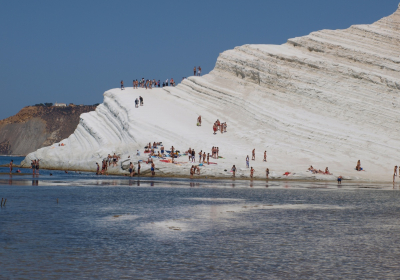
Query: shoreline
(146,174)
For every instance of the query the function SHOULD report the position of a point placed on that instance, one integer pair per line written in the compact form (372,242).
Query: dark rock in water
(35,127)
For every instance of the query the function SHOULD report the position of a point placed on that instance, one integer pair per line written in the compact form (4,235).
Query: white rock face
(326,99)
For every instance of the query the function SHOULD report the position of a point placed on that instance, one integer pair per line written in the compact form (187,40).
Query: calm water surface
(177,229)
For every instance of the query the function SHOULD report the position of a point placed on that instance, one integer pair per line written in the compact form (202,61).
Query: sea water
(73,226)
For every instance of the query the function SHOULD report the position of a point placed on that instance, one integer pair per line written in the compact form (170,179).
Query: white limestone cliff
(326,99)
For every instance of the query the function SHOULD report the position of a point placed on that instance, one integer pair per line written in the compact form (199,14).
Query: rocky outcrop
(326,99)
(35,127)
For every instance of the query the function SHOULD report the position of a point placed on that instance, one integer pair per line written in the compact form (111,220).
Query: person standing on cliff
(194,71)
(11,166)
(199,72)
(122,85)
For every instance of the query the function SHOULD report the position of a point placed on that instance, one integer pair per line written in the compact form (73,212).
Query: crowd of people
(110,160)
(149,84)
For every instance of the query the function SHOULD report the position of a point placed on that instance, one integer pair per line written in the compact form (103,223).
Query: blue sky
(73,51)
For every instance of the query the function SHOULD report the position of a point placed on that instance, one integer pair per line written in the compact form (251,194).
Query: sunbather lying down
(319,171)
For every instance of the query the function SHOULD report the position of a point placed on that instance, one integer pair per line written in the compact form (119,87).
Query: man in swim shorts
(193,156)
(11,166)
(153,169)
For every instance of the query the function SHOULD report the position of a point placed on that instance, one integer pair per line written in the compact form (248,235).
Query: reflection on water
(86,227)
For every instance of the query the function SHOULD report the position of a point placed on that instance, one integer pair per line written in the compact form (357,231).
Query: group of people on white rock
(149,84)
(219,126)
(198,71)
(319,171)
(138,101)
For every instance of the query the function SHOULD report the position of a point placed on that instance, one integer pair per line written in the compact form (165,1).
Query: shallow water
(172,229)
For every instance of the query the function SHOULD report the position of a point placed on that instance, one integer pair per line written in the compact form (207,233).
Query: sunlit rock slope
(326,99)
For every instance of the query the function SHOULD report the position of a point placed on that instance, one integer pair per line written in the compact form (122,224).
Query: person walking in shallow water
(11,166)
